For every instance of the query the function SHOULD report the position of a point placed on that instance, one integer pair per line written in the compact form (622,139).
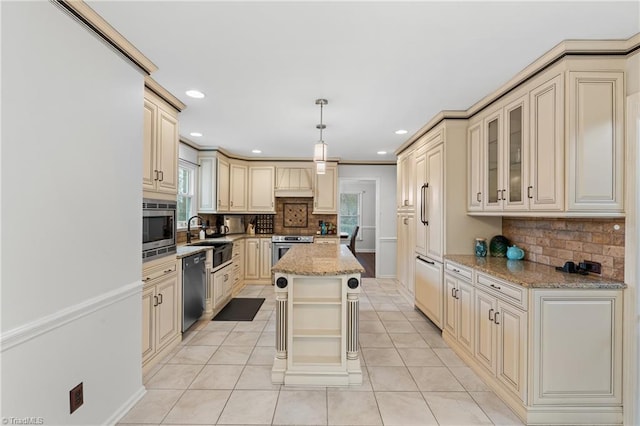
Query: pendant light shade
(320,148)
(320,151)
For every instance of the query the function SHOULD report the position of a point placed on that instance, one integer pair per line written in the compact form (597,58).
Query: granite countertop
(318,259)
(533,275)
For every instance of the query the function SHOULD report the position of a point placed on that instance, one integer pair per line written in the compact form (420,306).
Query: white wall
(632,245)
(71,209)
(386,228)
(366,240)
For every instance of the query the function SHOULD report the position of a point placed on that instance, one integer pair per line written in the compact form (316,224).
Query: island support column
(353,325)
(280,361)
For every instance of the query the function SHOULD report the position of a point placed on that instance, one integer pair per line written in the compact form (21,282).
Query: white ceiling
(382,66)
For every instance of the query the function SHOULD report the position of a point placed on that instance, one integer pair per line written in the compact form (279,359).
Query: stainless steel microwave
(158,228)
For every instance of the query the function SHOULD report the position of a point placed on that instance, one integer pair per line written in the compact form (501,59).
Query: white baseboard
(48,323)
(128,405)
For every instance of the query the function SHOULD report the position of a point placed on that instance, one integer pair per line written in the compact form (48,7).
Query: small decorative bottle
(481,247)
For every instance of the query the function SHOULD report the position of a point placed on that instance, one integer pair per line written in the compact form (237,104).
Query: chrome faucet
(189,227)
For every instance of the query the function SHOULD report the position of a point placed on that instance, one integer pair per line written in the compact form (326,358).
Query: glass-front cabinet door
(515,155)
(493,161)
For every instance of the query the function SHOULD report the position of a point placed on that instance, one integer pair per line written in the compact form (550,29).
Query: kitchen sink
(209,243)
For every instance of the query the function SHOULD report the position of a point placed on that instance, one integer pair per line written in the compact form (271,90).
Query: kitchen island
(317,299)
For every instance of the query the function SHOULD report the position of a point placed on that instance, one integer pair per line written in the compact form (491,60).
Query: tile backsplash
(283,223)
(555,241)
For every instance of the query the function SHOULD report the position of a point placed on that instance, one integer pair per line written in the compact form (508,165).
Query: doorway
(358,207)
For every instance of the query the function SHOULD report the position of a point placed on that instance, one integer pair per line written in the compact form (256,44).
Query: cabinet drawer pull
(456,270)
(495,319)
(490,312)
(497,287)
(147,279)
(155,301)
(168,270)
(161,298)
(478,197)
(529,188)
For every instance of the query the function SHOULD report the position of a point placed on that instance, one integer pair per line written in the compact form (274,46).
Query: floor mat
(240,309)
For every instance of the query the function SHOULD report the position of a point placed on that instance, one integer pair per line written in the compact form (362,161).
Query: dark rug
(240,309)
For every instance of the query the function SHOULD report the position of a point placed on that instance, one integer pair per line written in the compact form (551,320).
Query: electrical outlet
(589,266)
(76,398)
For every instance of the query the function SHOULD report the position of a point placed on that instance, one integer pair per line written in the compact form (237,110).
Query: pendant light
(320,148)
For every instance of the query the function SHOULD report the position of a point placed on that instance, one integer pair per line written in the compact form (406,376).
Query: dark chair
(352,242)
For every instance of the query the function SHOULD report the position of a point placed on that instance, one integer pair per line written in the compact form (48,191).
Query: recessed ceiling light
(196,134)
(382,152)
(256,151)
(401,132)
(195,94)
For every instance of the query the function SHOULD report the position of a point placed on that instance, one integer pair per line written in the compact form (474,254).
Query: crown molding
(163,93)
(566,48)
(84,14)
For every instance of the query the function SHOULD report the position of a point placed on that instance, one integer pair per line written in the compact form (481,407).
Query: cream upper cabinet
(213,183)
(261,195)
(504,142)
(575,108)
(475,170)
(595,139)
(223,185)
(326,191)
(405,181)
(160,147)
(546,144)
(238,187)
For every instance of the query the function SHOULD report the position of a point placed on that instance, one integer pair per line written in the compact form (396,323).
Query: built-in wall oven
(280,244)
(158,228)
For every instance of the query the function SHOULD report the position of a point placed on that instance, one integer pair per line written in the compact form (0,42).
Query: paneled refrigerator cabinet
(441,225)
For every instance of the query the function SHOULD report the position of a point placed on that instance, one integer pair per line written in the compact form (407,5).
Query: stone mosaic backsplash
(555,241)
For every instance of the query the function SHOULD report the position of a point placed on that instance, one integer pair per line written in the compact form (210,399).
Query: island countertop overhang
(318,260)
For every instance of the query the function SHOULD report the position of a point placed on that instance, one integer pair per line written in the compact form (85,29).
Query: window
(350,212)
(186,193)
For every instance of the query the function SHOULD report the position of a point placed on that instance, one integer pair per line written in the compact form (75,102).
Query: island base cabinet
(317,330)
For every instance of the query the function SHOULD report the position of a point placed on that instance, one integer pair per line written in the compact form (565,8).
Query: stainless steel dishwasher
(193,288)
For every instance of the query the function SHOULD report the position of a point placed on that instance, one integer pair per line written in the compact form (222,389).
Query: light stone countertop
(534,275)
(318,259)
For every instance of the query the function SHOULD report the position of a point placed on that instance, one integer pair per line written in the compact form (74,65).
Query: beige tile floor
(221,375)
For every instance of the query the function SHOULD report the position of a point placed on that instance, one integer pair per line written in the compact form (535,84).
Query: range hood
(294,182)
(294,192)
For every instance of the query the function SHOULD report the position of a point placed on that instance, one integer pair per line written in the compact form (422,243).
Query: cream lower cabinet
(458,306)
(160,311)
(429,290)
(222,287)
(554,356)
(237,257)
(257,260)
(405,253)
(500,347)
